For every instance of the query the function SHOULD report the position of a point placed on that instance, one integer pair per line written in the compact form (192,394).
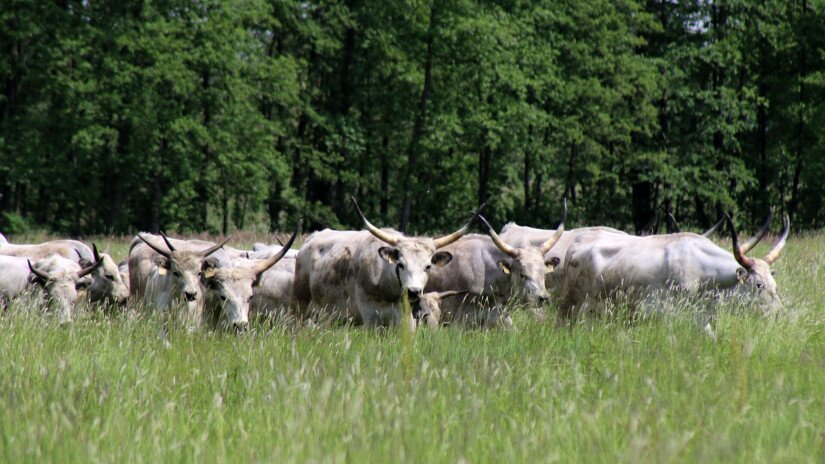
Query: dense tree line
(213,115)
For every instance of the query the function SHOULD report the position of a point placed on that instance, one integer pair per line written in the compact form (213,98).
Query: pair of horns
(748,245)
(772,256)
(392,239)
(80,274)
(168,254)
(545,247)
(268,263)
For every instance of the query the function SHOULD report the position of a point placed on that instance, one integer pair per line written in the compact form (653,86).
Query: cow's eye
(524,277)
(760,285)
(176,274)
(429,266)
(400,266)
(223,297)
(110,277)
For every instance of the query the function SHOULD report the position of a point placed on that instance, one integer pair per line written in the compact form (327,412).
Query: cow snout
(190,296)
(414,293)
(240,326)
(543,300)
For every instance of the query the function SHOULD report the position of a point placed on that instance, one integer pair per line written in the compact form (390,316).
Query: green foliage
(210,115)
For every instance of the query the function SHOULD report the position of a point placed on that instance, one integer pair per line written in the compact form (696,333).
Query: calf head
(527,267)
(185,268)
(413,257)
(427,310)
(61,280)
(107,283)
(755,277)
(233,287)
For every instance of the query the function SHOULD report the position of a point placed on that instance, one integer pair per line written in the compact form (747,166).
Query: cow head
(413,257)
(427,310)
(107,283)
(185,268)
(61,279)
(233,287)
(755,278)
(527,267)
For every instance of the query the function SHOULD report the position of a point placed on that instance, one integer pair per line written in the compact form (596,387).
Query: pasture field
(108,389)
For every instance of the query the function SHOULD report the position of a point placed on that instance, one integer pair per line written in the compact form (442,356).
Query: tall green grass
(110,389)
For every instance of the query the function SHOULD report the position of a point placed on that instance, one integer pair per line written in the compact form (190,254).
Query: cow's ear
(208,267)
(741,275)
(163,264)
(504,266)
(389,254)
(552,263)
(442,258)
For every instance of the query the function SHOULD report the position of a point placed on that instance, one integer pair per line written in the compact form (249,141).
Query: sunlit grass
(109,389)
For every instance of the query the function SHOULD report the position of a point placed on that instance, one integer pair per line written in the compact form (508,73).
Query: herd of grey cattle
(363,277)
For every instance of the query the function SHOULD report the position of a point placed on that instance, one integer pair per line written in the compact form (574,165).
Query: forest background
(214,116)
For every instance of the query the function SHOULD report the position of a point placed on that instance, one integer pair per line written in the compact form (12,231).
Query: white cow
(59,279)
(107,284)
(601,264)
(163,278)
(362,276)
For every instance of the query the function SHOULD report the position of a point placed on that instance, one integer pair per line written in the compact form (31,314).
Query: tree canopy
(215,115)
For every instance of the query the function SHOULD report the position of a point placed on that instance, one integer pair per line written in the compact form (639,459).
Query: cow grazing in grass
(363,276)
(601,264)
(59,279)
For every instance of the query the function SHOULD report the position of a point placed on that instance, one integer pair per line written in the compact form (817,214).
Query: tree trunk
(420,124)
(385,176)
(484,173)
(643,214)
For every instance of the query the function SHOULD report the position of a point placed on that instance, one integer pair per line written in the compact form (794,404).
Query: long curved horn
(448,239)
(215,248)
(671,221)
(260,269)
(98,261)
(504,247)
(157,249)
(740,257)
(166,240)
(450,293)
(378,233)
(746,247)
(546,246)
(34,271)
(773,255)
(708,233)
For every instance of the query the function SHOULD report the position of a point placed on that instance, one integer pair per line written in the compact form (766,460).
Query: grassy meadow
(107,388)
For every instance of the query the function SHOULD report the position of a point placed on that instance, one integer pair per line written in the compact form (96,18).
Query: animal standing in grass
(58,279)
(602,264)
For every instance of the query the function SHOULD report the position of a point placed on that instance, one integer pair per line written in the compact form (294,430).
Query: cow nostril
(190,296)
(241,326)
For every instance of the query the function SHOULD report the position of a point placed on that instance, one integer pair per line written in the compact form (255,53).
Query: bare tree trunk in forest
(570,187)
(793,206)
(385,176)
(420,123)
(202,185)
(484,173)
(225,211)
(345,77)
(526,185)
